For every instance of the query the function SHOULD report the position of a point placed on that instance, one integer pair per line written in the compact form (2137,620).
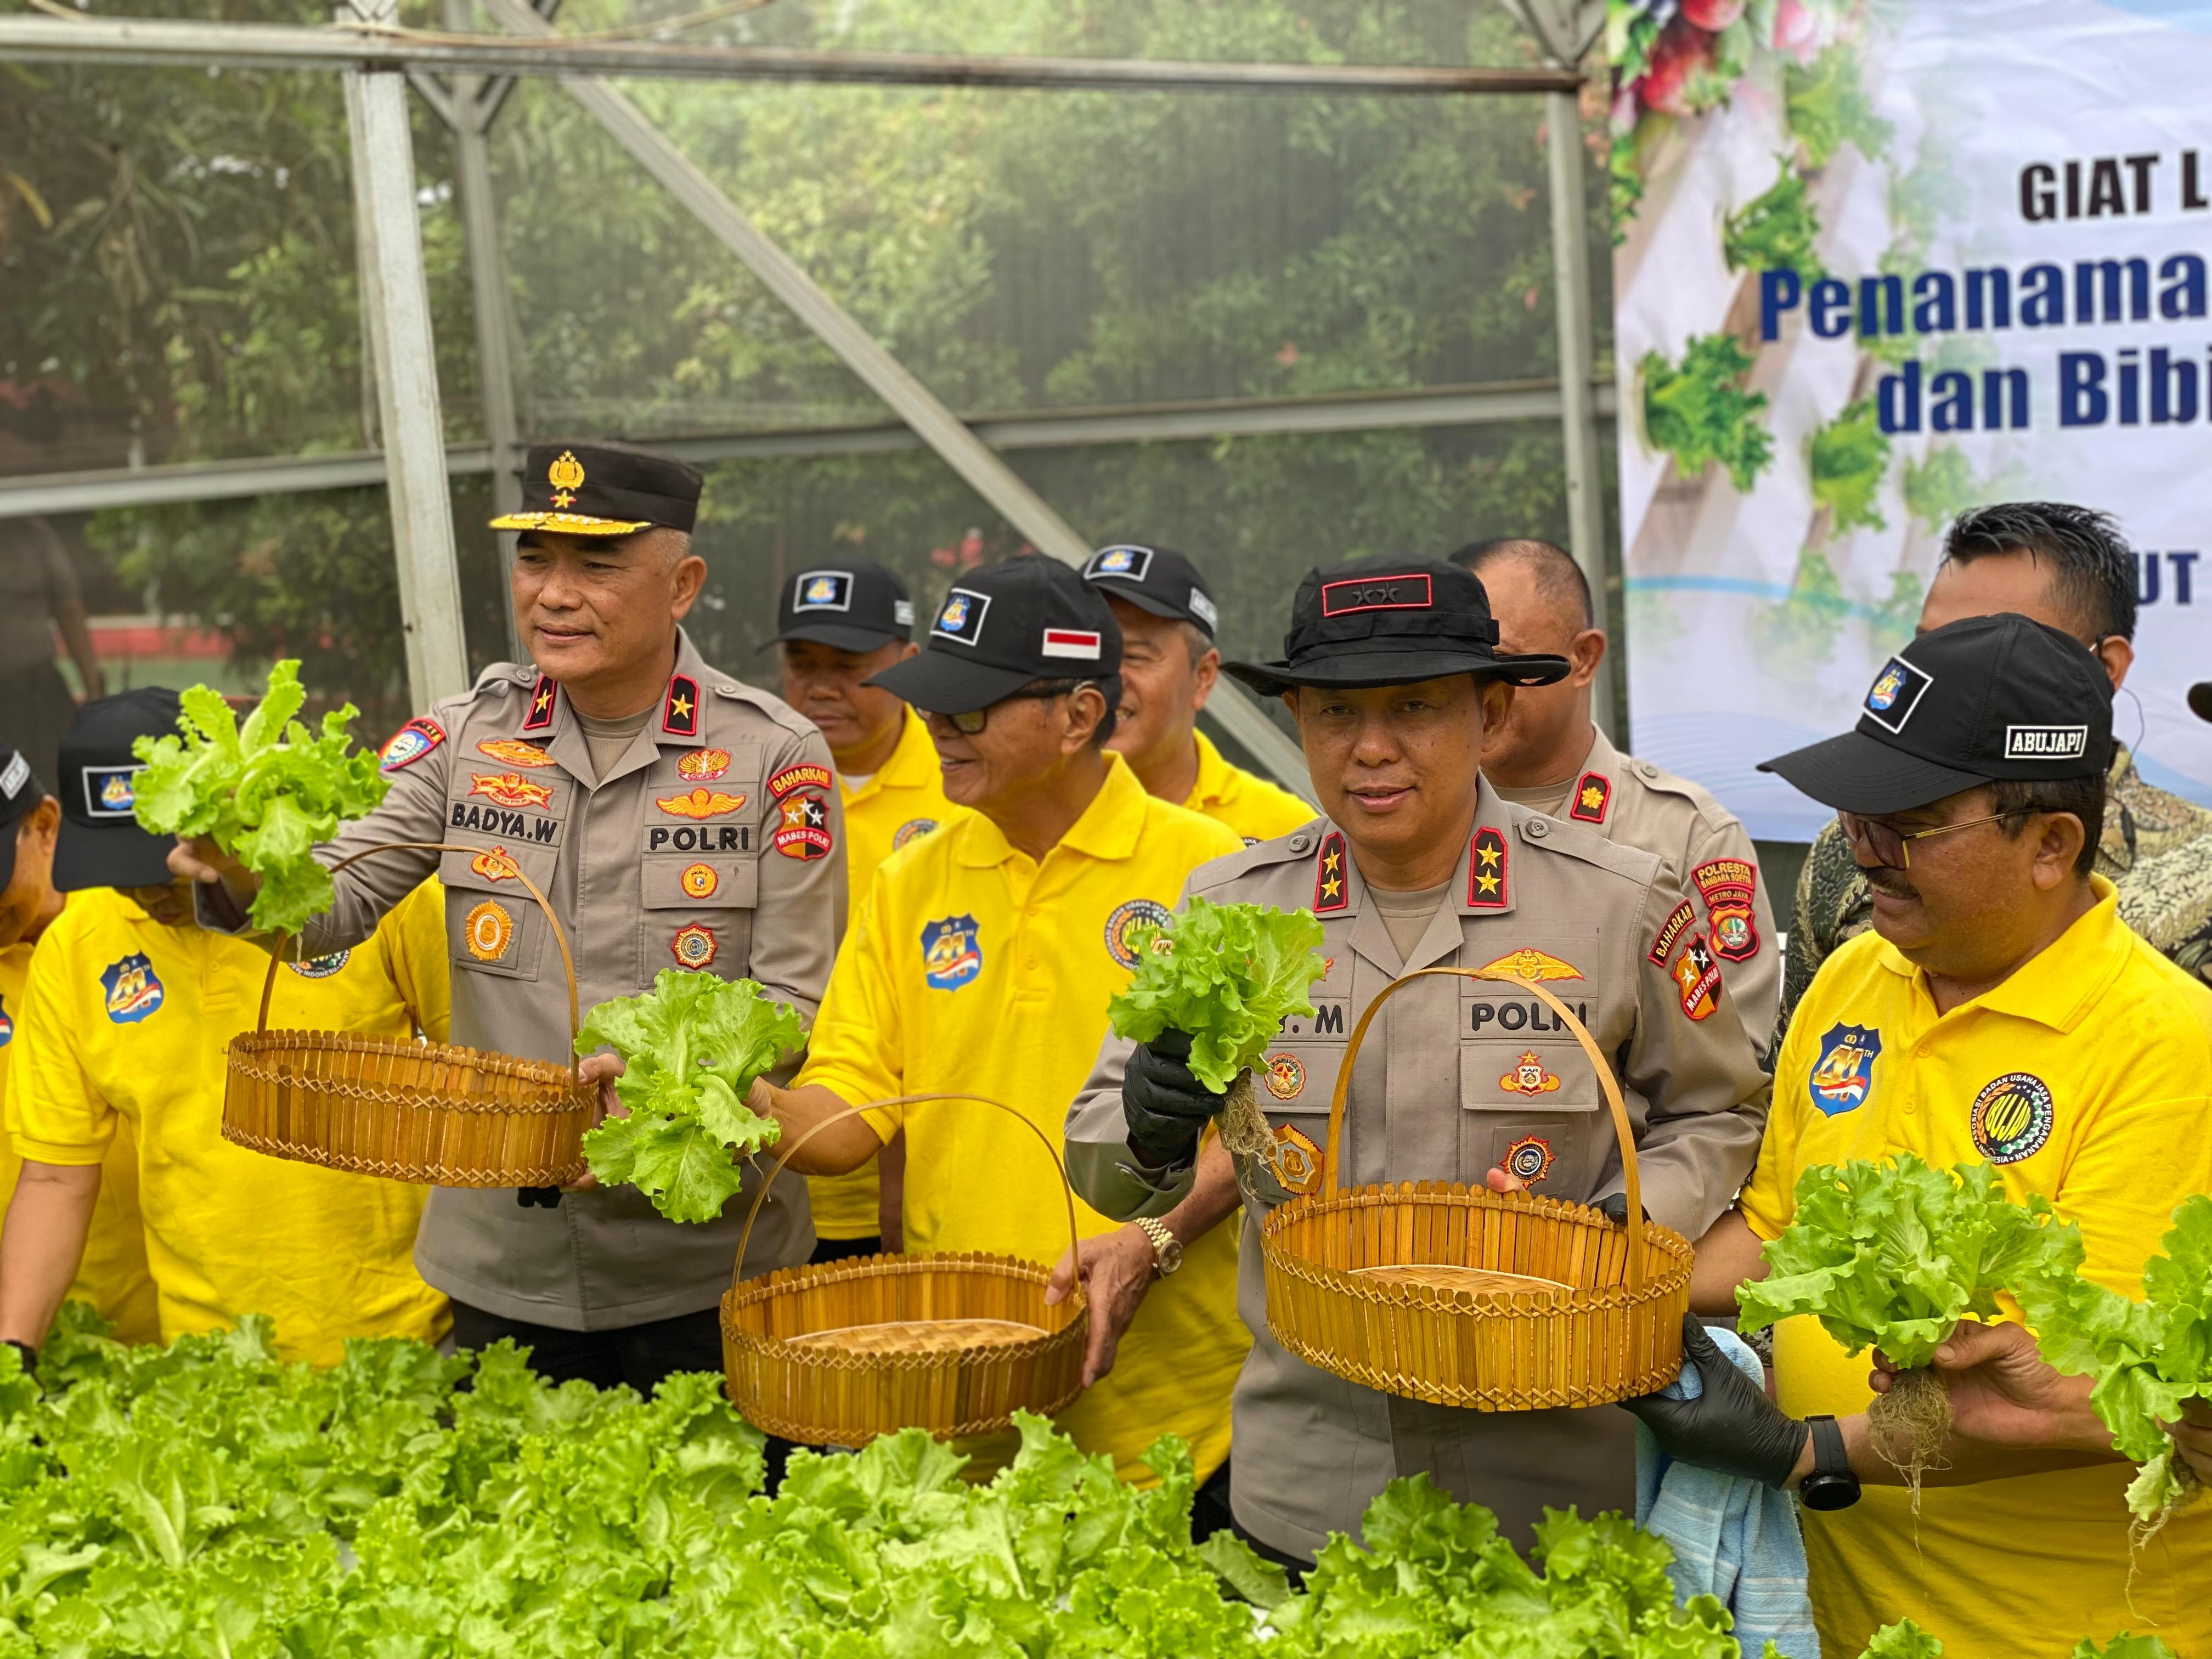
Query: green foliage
(1827,107)
(1775,231)
(206,1499)
(1226,975)
(1903,1640)
(1849,458)
(1898,616)
(1893,1255)
(1798,634)
(691,1047)
(2147,1357)
(1699,413)
(1939,488)
(2123,1646)
(266,792)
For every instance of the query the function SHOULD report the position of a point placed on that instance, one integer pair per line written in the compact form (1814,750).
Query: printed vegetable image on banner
(1855,294)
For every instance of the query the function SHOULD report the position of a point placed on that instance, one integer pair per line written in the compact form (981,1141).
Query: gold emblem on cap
(566,475)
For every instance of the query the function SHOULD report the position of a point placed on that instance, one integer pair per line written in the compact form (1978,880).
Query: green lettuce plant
(1699,412)
(265,792)
(690,1048)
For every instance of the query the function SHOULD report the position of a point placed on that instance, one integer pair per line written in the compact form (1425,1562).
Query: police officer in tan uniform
(675,818)
(1551,755)
(1392,673)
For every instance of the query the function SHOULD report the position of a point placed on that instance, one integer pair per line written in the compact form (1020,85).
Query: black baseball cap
(850,605)
(2200,700)
(603,490)
(1984,699)
(1158,579)
(20,794)
(1028,618)
(101,844)
(1391,622)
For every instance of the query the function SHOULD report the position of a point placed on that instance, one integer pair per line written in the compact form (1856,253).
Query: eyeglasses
(1887,843)
(975,719)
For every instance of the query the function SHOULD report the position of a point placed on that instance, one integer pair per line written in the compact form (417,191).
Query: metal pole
(472,114)
(396,296)
(271,45)
(914,403)
(1585,476)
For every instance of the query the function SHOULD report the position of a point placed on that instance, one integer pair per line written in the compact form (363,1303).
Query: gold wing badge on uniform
(1530,962)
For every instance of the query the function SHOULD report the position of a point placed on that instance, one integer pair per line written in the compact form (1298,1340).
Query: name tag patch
(2045,742)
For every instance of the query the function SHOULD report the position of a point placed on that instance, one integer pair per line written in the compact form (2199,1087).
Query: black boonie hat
(1391,622)
(850,605)
(20,793)
(101,844)
(1157,579)
(1029,618)
(2200,700)
(603,490)
(1984,699)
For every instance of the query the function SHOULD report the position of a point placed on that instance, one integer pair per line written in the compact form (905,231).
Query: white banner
(1878,263)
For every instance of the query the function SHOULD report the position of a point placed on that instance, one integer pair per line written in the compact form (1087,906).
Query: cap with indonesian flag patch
(1391,622)
(1003,627)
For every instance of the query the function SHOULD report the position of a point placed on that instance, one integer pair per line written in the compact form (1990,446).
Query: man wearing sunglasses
(2069,567)
(981,960)
(2000,1011)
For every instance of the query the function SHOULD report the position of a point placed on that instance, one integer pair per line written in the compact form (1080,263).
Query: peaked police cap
(1391,622)
(603,490)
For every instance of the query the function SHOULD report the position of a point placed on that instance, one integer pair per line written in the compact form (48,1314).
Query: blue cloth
(1734,1539)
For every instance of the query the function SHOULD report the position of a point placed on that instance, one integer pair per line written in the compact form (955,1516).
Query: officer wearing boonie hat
(675,818)
(839,621)
(1392,672)
(1168,667)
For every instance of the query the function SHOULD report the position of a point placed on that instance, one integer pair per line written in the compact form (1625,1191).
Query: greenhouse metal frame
(378,60)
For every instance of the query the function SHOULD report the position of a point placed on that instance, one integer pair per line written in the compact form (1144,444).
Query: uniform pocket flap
(1546,1073)
(714,881)
(492,868)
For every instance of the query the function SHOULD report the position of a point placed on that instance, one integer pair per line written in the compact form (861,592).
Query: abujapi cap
(1984,699)
(603,490)
(1029,618)
(101,844)
(1158,579)
(1391,622)
(20,794)
(849,604)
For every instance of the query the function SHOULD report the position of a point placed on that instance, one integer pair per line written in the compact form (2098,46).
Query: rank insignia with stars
(1485,869)
(1593,794)
(543,696)
(679,717)
(1331,892)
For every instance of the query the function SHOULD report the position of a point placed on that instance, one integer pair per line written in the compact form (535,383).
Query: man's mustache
(1890,882)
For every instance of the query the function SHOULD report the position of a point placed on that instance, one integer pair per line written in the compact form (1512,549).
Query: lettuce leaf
(2147,1357)
(265,792)
(1893,1255)
(691,1047)
(1226,975)
(1699,412)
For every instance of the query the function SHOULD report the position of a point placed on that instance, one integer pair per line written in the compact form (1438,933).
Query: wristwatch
(1832,1485)
(1167,1249)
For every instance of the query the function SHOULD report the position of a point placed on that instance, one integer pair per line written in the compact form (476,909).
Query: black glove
(1614,1206)
(1166,1108)
(28,1355)
(1732,1426)
(538,1198)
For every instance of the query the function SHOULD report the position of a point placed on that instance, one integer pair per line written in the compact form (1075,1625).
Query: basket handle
(567,961)
(1332,1174)
(1067,1193)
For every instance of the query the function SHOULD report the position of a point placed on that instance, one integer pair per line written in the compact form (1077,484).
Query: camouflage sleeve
(2168,900)
(1832,905)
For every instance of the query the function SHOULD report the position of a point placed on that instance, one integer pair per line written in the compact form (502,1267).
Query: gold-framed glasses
(1890,846)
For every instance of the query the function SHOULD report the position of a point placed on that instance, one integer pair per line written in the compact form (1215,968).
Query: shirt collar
(2056,985)
(1108,828)
(912,763)
(1211,787)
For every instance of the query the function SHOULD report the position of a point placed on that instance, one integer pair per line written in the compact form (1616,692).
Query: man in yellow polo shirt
(112,1276)
(983,959)
(127,1015)
(1168,667)
(841,622)
(1999,1012)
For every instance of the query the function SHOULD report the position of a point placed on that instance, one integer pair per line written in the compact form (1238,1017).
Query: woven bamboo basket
(424,1112)
(1459,1296)
(838,1353)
